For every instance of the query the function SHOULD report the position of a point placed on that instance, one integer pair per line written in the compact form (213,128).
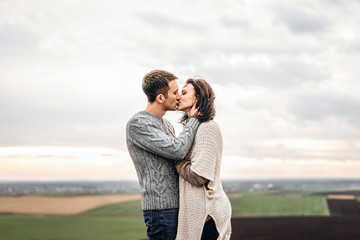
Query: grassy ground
(279,205)
(124,221)
(126,209)
(247,205)
(70,228)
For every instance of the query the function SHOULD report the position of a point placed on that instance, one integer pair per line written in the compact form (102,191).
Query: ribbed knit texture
(153,153)
(196,203)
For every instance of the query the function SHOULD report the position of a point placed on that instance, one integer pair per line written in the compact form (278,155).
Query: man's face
(173,98)
(188,98)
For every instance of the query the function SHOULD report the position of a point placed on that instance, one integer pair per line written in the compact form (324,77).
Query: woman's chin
(180,108)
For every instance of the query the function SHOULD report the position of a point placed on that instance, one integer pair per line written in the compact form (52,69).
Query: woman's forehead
(188,87)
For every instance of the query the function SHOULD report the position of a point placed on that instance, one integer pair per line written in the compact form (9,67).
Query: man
(153,153)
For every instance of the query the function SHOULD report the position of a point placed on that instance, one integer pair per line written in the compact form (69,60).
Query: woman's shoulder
(209,136)
(211,126)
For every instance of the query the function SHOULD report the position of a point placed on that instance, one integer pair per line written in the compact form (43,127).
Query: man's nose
(178,97)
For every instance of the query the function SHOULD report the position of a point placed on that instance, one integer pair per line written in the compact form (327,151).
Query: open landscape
(44,205)
(257,215)
(279,79)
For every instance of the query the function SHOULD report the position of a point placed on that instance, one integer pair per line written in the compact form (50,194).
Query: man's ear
(160,98)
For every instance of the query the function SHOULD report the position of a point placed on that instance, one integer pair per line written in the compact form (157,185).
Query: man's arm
(149,136)
(184,170)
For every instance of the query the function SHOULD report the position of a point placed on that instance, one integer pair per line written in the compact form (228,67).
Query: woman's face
(187,99)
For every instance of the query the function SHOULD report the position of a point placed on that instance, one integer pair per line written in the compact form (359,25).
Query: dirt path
(59,205)
(295,228)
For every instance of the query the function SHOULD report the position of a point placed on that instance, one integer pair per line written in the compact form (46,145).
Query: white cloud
(71,73)
(272,168)
(59,163)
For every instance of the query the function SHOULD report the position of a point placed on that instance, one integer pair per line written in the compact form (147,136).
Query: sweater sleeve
(184,170)
(149,136)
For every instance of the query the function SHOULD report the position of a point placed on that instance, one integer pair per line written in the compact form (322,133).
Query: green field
(126,209)
(124,221)
(279,205)
(70,228)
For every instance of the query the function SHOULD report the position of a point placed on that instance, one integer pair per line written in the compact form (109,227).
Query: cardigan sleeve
(149,136)
(207,150)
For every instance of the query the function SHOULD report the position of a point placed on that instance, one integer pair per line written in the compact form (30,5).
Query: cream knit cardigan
(197,203)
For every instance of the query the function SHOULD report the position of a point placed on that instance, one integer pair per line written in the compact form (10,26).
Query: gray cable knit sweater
(153,152)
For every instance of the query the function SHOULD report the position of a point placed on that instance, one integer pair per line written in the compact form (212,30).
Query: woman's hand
(194,111)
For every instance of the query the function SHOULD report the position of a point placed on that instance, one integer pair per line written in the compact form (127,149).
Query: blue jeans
(161,224)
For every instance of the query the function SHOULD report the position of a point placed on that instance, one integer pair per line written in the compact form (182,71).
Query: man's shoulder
(139,117)
(143,119)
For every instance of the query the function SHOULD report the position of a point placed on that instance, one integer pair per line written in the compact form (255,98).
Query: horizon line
(223,180)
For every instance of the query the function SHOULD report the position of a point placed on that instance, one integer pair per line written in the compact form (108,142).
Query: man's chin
(179,109)
(176,108)
(172,109)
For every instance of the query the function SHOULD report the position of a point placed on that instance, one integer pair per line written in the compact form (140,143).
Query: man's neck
(155,110)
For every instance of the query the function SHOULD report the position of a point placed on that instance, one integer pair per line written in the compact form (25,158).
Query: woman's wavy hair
(205,97)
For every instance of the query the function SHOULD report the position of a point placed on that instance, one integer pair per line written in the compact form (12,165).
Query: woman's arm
(184,170)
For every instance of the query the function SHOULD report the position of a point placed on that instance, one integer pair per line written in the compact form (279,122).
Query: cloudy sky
(285,75)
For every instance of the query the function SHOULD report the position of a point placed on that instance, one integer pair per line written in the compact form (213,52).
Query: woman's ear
(196,100)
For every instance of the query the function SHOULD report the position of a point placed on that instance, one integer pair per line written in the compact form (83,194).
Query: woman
(205,210)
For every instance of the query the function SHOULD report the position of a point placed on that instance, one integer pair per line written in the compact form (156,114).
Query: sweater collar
(152,115)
